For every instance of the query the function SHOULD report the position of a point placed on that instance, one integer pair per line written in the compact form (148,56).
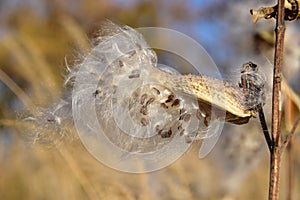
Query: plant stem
(278,61)
(264,127)
(290,171)
(289,137)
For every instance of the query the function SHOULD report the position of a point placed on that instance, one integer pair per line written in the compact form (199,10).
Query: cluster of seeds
(157,107)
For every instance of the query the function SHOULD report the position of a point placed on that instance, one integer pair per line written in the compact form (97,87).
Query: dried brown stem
(264,126)
(278,61)
(288,143)
(291,170)
(289,138)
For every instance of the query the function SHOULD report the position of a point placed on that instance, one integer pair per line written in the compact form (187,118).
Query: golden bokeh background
(38,40)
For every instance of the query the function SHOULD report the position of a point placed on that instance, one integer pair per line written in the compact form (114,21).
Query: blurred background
(39,38)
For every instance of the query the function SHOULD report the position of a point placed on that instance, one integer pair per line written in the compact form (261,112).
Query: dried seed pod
(143,107)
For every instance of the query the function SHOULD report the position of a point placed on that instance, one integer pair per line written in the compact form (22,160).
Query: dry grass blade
(15,89)
(87,185)
(45,72)
(290,135)
(31,67)
(76,33)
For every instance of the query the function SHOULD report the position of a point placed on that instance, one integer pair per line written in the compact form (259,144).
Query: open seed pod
(136,115)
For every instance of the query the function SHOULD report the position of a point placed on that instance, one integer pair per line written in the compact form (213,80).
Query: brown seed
(176,102)
(144,122)
(143,98)
(199,115)
(182,110)
(169,133)
(170,98)
(156,90)
(179,127)
(133,76)
(187,117)
(164,105)
(188,139)
(157,127)
(181,116)
(121,64)
(144,110)
(50,120)
(165,134)
(97,92)
(181,132)
(150,101)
